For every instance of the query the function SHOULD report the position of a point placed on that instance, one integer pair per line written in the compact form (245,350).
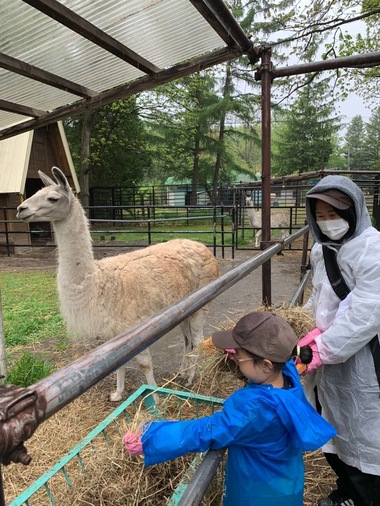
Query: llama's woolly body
(103,298)
(279,218)
(133,285)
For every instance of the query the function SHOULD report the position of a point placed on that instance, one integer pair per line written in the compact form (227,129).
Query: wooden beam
(218,15)
(21,109)
(37,74)
(71,20)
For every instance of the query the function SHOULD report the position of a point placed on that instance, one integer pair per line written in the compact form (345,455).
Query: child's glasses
(240,360)
(231,354)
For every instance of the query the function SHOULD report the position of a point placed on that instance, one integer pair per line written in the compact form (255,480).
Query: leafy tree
(304,141)
(363,81)
(108,146)
(354,150)
(181,129)
(192,130)
(372,141)
(338,157)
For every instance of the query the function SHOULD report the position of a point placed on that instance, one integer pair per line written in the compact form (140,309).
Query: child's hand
(132,443)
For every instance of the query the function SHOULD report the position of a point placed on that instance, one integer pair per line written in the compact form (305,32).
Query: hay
(300,319)
(110,476)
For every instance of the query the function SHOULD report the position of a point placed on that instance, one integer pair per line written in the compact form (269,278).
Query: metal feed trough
(74,462)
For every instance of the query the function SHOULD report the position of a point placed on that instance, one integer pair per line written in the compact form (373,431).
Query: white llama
(279,218)
(103,298)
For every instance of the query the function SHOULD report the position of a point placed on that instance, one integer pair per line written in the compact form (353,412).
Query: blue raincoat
(266,430)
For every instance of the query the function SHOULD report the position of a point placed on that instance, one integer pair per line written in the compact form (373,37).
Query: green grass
(28,369)
(30,307)
(201,233)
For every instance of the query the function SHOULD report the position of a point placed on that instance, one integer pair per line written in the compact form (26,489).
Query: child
(266,425)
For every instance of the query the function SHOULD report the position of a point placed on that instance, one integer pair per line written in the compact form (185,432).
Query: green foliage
(30,307)
(119,156)
(28,369)
(372,141)
(304,142)
(355,150)
(363,81)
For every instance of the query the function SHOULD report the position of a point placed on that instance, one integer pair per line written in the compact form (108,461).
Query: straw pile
(110,476)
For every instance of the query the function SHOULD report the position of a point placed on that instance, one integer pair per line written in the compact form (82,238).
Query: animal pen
(52,93)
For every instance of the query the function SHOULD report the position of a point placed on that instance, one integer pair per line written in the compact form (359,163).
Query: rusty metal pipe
(266,79)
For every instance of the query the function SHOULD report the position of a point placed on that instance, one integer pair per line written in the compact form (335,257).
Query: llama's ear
(60,178)
(45,179)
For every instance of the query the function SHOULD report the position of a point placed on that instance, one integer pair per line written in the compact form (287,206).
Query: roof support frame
(21,109)
(223,22)
(32,72)
(142,84)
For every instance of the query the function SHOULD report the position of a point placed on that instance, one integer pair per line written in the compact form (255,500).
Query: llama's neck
(255,209)
(75,254)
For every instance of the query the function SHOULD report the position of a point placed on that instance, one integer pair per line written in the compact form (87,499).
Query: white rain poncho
(348,388)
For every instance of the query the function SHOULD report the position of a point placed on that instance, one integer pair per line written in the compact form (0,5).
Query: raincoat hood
(345,185)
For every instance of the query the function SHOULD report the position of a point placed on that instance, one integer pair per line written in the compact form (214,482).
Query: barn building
(21,157)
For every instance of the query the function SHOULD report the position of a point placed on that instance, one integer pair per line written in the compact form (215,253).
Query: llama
(103,298)
(279,218)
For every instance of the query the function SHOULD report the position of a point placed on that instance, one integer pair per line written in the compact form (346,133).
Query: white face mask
(334,229)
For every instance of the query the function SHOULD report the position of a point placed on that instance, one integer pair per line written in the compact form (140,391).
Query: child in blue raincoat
(266,426)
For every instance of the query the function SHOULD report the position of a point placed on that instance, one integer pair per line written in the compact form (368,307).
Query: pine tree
(305,140)
(372,141)
(354,149)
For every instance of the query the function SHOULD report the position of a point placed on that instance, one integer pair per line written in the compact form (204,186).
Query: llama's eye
(53,199)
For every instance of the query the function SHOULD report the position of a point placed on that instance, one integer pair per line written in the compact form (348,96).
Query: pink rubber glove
(309,338)
(306,340)
(132,443)
(315,362)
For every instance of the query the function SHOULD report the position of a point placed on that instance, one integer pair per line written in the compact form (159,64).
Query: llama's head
(248,200)
(51,203)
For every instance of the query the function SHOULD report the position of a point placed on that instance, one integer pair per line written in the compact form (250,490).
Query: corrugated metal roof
(62,56)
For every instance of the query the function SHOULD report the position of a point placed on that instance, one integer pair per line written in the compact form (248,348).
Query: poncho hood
(346,185)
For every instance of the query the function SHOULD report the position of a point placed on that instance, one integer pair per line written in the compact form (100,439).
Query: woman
(345,372)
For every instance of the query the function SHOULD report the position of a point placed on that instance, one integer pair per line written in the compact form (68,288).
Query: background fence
(138,217)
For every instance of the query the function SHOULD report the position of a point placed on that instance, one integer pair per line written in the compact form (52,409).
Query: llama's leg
(192,329)
(284,233)
(258,238)
(120,385)
(144,361)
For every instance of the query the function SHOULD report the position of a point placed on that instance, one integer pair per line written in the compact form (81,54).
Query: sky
(354,106)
